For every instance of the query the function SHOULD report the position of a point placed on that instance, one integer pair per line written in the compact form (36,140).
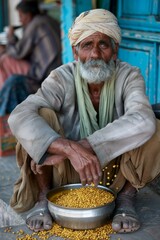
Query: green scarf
(87,113)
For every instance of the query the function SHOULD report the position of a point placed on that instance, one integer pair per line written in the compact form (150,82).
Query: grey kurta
(134,121)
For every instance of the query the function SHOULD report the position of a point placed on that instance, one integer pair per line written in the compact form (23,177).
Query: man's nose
(95,53)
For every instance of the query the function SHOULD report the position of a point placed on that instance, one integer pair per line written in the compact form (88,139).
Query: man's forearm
(83,159)
(86,144)
(60,146)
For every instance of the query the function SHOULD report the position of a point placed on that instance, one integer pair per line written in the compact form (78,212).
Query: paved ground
(147,202)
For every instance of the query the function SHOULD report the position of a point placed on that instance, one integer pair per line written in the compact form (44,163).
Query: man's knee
(51,118)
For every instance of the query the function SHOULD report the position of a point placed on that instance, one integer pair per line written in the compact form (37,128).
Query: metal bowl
(80,218)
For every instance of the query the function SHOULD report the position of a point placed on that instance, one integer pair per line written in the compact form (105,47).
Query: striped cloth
(40,46)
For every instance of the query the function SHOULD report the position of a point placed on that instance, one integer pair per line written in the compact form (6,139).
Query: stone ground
(147,203)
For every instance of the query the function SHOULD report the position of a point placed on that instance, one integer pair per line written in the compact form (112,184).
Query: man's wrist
(59,146)
(43,158)
(86,144)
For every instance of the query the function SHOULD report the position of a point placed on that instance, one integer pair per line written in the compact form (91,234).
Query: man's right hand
(10,32)
(84,161)
(49,161)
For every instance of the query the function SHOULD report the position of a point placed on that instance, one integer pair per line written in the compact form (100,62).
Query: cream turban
(97,20)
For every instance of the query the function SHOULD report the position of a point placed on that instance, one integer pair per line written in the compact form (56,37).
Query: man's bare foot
(125,218)
(39,218)
(125,223)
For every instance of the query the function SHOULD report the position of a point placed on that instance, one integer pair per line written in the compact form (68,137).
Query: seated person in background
(37,52)
(90,122)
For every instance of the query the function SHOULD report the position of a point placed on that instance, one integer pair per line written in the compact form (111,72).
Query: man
(91,122)
(37,52)
(28,61)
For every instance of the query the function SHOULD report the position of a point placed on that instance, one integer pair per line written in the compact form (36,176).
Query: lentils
(101,233)
(85,197)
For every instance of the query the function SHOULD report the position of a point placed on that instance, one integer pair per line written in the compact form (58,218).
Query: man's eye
(103,45)
(86,46)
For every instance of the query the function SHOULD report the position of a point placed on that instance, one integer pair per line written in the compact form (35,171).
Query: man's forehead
(97,36)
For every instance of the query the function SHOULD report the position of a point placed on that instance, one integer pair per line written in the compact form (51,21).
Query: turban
(96,20)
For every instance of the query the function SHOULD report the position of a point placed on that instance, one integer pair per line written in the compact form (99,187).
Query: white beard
(96,71)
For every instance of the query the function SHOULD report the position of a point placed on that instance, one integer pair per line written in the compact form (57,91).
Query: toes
(116,226)
(47,222)
(47,226)
(125,224)
(38,226)
(132,223)
(39,223)
(34,225)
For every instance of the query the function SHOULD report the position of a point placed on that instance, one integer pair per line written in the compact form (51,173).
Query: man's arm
(83,160)
(30,129)
(81,156)
(135,123)
(22,48)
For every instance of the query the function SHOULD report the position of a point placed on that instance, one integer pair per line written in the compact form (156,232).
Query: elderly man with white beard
(89,120)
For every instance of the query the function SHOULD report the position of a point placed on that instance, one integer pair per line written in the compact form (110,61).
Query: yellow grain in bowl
(84,197)
(81,207)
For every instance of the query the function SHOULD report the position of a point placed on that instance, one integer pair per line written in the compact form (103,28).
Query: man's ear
(115,51)
(75,53)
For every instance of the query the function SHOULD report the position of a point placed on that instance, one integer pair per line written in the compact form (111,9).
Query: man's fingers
(36,169)
(89,175)
(33,167)
(39,169)
(54,159)
(97,173)
(82,177)
(49,161)
(93,171)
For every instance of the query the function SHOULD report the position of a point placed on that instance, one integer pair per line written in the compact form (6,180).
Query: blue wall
(3,14)
(140,44)
(69,11)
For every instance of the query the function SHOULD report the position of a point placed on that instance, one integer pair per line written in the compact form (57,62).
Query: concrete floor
(147,203)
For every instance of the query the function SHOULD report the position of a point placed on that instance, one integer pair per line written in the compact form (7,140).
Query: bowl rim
(78,185)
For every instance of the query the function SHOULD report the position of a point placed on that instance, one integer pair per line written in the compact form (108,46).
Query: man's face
(96,55)
(96,46)
(24,18)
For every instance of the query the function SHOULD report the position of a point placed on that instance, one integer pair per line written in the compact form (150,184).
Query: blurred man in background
(27,61)
(39,49)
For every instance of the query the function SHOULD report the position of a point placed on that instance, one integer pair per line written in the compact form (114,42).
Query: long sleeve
(21,49)
(135,123)
(31,130)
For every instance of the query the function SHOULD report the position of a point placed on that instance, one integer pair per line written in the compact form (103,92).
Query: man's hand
(49,161)
(86,145)
(10,32)
(82,158)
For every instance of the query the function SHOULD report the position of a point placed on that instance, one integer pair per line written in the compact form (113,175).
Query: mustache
(96,70)
(95,63)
